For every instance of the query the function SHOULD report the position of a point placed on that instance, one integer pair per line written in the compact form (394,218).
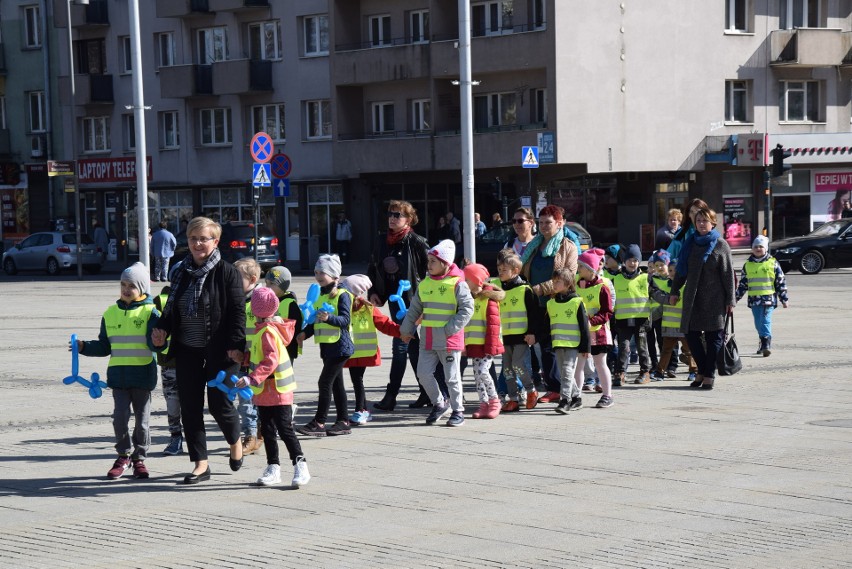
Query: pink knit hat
(475,273)
(445,251)
(592,259)
(264,303)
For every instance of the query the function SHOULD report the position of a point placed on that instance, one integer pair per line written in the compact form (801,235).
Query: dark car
(52,251)
(490,242)
(827,246)
(237,241)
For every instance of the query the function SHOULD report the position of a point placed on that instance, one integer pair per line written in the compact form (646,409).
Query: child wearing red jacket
(482,338)
(366,320)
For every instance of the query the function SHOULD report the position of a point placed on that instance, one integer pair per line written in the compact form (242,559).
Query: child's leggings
(601,368)
(356,374)
(484,382)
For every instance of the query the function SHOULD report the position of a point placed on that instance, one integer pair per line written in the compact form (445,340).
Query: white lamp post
(74,137)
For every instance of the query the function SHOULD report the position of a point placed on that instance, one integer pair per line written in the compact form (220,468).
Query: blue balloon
(326,307)
(404,285)
(219,383)
(95,386)
(309,313)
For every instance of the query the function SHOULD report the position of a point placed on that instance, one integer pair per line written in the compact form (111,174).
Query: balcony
(96,14)
(238,76)
(237,5)
(89,90)
(520,51)
(186,81)
(182,8)
(809,47)
(379,65)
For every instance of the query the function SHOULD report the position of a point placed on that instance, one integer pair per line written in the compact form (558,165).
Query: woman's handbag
(728,360)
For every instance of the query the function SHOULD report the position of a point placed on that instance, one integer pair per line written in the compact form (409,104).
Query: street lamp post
(466,95)
(74,137)
(139,122)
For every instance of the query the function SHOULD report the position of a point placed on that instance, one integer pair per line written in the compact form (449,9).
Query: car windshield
(830,229)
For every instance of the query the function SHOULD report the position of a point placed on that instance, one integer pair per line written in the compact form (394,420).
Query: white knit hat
(330,265)
(358,285)
(760,241)
(445,250)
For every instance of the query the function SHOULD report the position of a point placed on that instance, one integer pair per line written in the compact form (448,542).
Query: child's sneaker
(482,411)
(532,399)
(564,407)
(493,409)
(658,376)
(271,476)
(361,417)
(339,428)
(140,471)
(604,402)
(643,378)
(439,410)
(456,419)
(670,374)
(510,406)
(617,379)
(175,446)
(598,388)
(549,397)
(691,376)
(576,403)
(301,476)
(312,429)
(588,387)
(119,467)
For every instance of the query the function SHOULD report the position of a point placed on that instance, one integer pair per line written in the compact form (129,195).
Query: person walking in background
(764,281)
(480,226)
(342,236)
(163,245)
(454,226)
(496,220)
(667,232)
(101,238)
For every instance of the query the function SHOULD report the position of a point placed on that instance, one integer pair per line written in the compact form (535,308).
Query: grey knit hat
(137,275)
(330,265)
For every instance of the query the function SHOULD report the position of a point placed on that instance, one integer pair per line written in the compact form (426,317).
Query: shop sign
(98,170)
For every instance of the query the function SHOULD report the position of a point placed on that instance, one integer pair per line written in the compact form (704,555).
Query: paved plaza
(753,474)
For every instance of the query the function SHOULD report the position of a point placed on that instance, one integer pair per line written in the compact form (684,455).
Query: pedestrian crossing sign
(261,175)
(529,156)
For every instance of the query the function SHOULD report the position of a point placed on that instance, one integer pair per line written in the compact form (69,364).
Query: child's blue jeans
(248,416)
(763,320)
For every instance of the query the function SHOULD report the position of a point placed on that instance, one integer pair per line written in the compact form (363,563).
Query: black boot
(388,403)
(422,401)
(767,347)
(762,347)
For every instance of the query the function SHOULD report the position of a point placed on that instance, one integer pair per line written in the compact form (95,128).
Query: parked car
(238,241)
(827,246)
(490,243)
(52,251)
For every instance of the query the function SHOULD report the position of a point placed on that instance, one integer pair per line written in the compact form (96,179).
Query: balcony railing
(100,89)
(404,134)
(392,42)
(203,79)
(182,8)
(260,75)
(97,12)
(809,47)
(235,5)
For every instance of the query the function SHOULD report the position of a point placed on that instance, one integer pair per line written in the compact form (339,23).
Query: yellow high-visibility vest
(513,311)
(284,379)
(591,297)
(631,297)
(438,298)
(474,331)
(127,332)
(761,277)
(364,332)
(326,333)
(251,322)
(652,304)
(564,328)
(672,313)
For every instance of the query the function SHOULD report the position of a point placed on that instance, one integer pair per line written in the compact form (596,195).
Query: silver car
(52,251)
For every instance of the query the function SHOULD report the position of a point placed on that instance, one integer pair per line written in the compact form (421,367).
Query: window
(169,131)
(126,54)
(96,134)
(265,40)
(215,126)
(419,20)
(799,14)
(32,26)
(799,101)
(538,15)
(382,117)
(128,126)
(540,110)
(91,56)
(269,119)
(498,109)
(421,115)
(319,119)
(316,35)
(380,30)
(166,49)
(738,15)
(172,206)
(37,111)
(212,45)
(492,18)
(233,204)
(737,106)
(324,203)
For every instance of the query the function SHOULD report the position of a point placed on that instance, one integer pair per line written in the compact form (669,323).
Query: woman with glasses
(523,224)
(400,254)
(205,317)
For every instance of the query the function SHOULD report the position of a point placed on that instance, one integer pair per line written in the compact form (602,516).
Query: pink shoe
(481,412)
(493,409)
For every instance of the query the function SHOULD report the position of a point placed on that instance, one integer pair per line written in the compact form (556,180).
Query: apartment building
(637,106)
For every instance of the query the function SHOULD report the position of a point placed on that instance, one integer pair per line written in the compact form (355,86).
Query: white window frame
(270,119)
(128,127)
(734,89)
(126,55)
(32,27)
(381,118)
(169,130)
(37,115)
(788,14)
(165,49)
(313,28)
(96,134)
(811,92)
(381,34)
(736,10)
(212,45)
(261,29)
(495,9)
(540,109)
(497,112)
(539,15)
(421,115)
(209,121)
(419,26)
(318,126)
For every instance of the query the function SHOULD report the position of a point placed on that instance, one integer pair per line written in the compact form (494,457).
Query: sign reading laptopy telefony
(97,170)
(831,189)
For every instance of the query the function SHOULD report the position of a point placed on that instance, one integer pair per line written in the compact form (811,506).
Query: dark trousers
(705,347)
(652,329)
(193,373)
(356,374)
(277,420)
(626,329)
(331,383)
(549,365)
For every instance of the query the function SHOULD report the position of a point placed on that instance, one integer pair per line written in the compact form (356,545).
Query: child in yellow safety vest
(569,330)
(249,271)
(168,383)
(764,281)
(366,320)
(660,291)
(125,337)
(631,314)
(278,279)
(272,382)
(482,338)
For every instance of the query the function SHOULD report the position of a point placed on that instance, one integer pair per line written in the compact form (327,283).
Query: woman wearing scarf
(549,251)
(686,228)
(705,272)
(205,316)
(399,255)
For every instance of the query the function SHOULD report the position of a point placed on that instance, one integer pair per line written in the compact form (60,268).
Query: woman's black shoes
(196,478)
(421,402)
(236,464)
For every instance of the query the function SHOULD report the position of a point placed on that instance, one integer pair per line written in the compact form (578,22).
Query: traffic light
(778,156)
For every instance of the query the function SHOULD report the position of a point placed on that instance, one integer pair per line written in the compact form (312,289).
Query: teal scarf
(549,250)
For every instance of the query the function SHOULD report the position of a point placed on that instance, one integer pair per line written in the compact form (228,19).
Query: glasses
(396,214)
(517,221)
(200,240)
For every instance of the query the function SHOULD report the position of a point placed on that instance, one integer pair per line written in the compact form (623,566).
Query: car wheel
(9,267)
(53,267)
(811,263)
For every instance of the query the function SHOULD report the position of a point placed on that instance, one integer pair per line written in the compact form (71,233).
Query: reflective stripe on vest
(438,298)
(474,331)
(564,328)
(251,322)
(364,332)
(761,277)
(513,311)
(284,379)
(591,298)
(671,312)
(631,297)
(326,333)
(127,332)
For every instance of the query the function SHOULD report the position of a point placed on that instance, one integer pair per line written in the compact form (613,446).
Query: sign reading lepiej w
(96,170)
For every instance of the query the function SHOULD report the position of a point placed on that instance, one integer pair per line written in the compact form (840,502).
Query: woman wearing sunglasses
(400,254)
(523,224)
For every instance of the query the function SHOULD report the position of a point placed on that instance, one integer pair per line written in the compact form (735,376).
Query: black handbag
(728,361)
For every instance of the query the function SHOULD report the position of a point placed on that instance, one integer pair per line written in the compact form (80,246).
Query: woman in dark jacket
(399,255)
(205,316)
